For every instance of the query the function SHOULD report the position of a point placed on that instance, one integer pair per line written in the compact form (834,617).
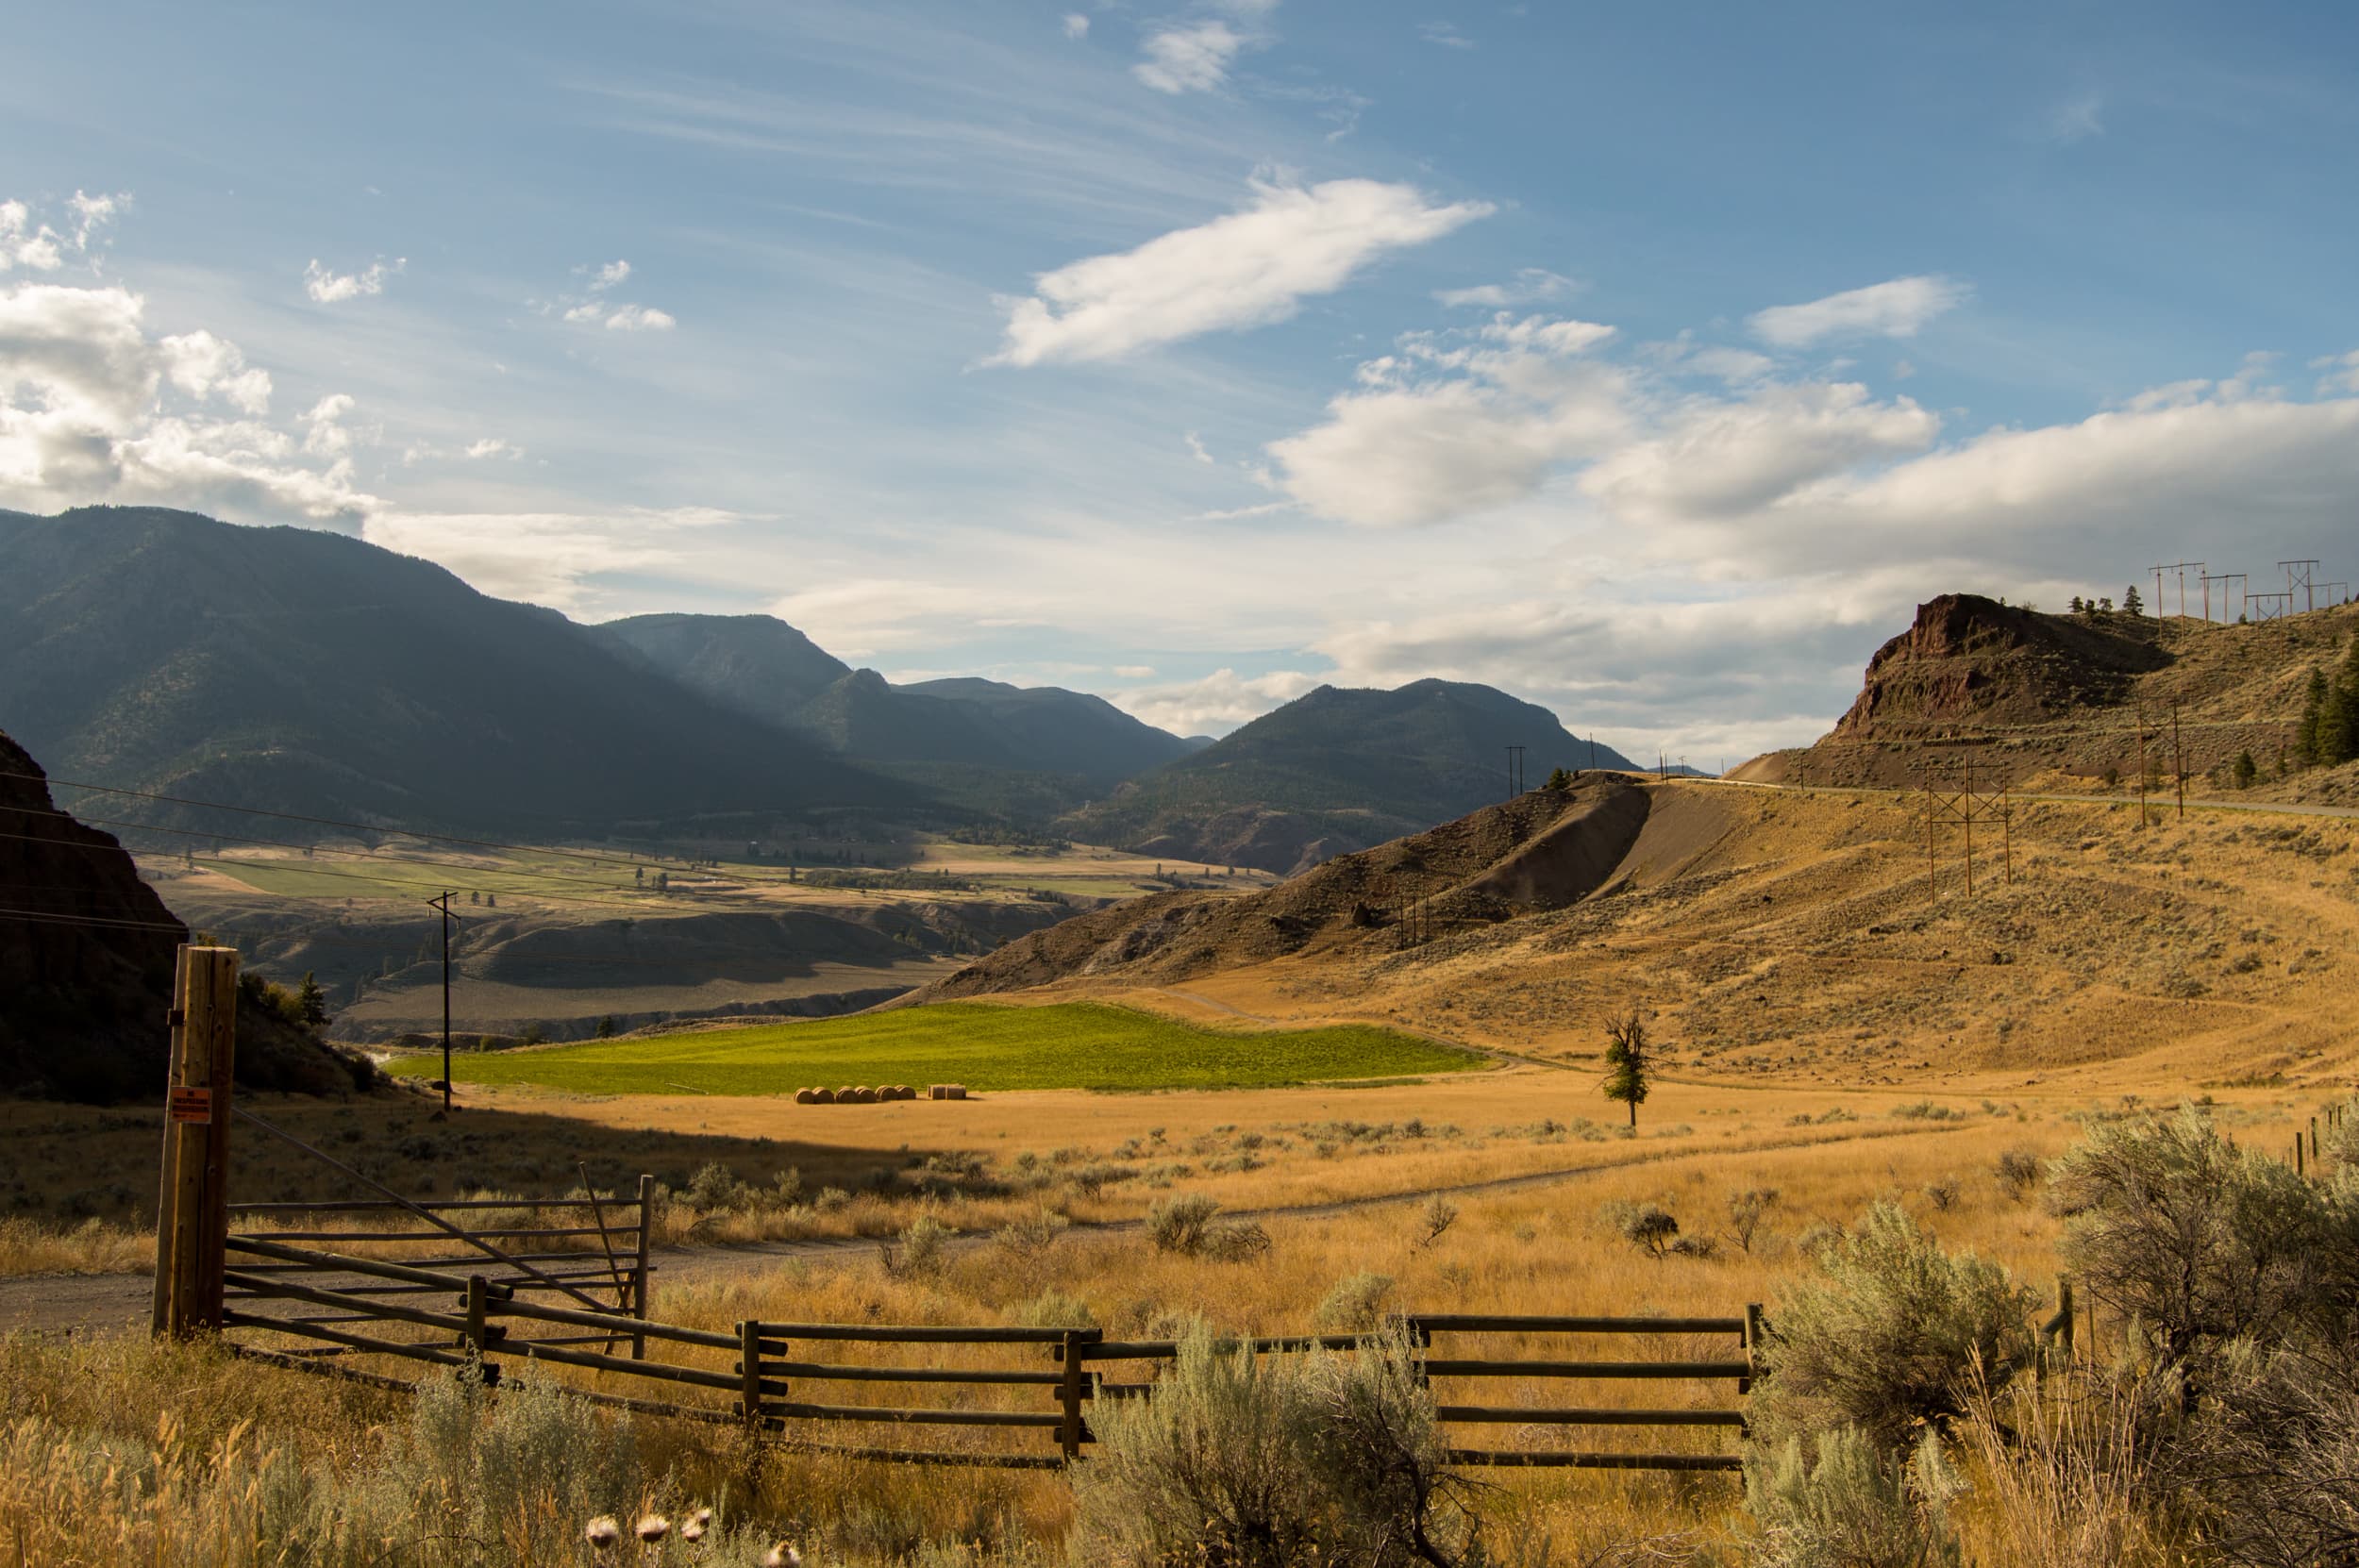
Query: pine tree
(2313,745)
(2079,604)
(1626,1061)
(2245,771)
(2340,731)
(2130,603)
(1559,779)
(311,1001)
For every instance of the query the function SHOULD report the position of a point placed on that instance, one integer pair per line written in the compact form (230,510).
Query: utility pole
(1592,751)
(2178,762)
(2141,773)
(1967,813)
(1514,771)
(2006,834)
(443,904)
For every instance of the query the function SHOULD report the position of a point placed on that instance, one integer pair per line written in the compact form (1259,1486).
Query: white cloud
(2341,371)
(1532,286)
(1716,460)
(1443,33)
(1196,448)
(1076,25)
(333,288)
(549,558)
(640,318)
(1134,672)
(1444,430)
(491,446)
(82,416)
(1194,58)
(38,247)
(596,310)
(1247,269)
(861,617)
(1220,701)
(1891,310)
(201,364)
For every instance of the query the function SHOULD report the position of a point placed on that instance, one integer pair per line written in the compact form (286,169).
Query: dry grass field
(1830,1030)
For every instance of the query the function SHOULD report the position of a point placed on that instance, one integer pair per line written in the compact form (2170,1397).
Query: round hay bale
(822,1096)
(843,1095)
(904,1092)
(803,1096)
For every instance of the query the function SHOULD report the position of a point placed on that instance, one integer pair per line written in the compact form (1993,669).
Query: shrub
(1943,1195)
(1889,1334)
(1437,1215)
(1855,1506)
(924,1247)
(1271,1461)
(2018,1173)
(2275,1457)
(1748,1210)
(1647,1227)
(1190,1224)
(714,1189)
(1356,1303)
(1053,1308)
(1032,1235)
(2202,1242)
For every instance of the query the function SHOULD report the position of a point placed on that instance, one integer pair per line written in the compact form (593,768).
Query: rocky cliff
(86,952)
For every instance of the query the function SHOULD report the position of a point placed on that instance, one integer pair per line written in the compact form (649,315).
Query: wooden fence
(487,1283)
(806,1378)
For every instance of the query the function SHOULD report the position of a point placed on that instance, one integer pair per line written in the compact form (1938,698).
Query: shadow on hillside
(73,1162)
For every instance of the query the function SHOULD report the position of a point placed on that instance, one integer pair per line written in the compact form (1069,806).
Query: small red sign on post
(191,1104)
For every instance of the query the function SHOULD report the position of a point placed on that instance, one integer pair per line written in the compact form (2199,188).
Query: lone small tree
(2130,603)
(1626,1062)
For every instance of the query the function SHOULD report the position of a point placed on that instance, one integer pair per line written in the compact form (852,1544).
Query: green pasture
(1067,1045)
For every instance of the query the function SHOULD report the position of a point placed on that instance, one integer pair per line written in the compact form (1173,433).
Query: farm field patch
(1069,1045)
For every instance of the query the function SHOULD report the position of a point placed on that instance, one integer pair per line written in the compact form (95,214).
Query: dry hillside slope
(1824,935)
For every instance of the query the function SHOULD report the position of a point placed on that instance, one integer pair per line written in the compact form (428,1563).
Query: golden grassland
(1552,1248)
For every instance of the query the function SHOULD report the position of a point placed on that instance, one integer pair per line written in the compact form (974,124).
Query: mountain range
(1337,770)
(305,671)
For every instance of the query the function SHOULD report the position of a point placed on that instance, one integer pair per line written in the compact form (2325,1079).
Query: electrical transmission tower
(1514,771)
(2298,576)
(1964,807)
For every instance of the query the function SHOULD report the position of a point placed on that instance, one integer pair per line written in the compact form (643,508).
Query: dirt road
(106,1303)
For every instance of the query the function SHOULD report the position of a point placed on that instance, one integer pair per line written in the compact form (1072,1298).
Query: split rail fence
(350,1287)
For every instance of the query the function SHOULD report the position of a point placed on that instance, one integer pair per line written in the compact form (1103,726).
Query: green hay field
(1069,1045)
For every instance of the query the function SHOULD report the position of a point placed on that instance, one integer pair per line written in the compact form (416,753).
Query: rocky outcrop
(1969,661)
(86,952)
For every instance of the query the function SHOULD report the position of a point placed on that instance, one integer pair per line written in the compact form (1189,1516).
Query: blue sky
(1650,362)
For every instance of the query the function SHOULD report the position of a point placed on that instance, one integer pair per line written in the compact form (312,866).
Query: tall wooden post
(749,1371)
(1069,1397)
(638,1263)
(193,1200)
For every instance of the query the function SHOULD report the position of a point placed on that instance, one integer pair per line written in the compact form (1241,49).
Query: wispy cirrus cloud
(1247,269)
(1896,309)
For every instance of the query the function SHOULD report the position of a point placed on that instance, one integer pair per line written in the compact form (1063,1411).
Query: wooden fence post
(192,1202)
(638,1263)
(749,1371)
(480,1329)
(1754,1332)
(1069,1397)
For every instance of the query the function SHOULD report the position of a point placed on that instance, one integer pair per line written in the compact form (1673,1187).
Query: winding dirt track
(106,1303)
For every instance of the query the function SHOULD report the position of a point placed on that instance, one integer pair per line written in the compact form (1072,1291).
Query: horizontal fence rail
(776,1376)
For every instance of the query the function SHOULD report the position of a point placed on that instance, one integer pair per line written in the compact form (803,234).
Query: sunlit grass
(1071,1046)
